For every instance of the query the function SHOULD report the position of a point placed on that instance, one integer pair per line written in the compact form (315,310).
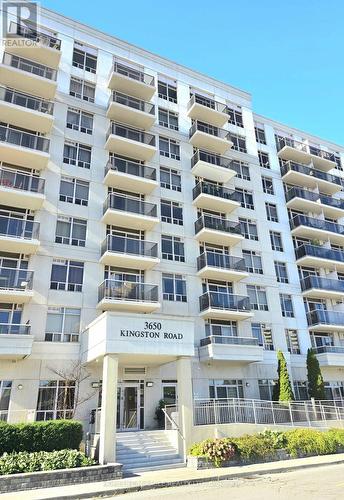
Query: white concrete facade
(152,360)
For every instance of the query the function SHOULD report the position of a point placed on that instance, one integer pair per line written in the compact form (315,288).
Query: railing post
(273,412)
(291,414)
(307,414)
(254,412)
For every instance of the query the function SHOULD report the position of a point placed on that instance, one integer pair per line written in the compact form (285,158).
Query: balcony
(301,175)
(129,253)
(130,175)
(18,235)
(15,285)
(218,305)
(211,166)
(41,47)
(207,110)
(205,136)
(317,256)
(212,197)
(23,148)
(131,81)
(320,320)
(322,288)
(329,355)
(135,112)
(28,76)
(308,227)
(123,211)
(116,295)
(18,189)
(212,229)
(130,142)
(289,149)
(301,199)
(236,349)
(219,266)
(15,341)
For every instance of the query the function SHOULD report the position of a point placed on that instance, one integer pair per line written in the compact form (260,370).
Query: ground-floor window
(5,394)
(300,390)
(226,389)
(55,399)
(266,387)
(334,390)
(169,391)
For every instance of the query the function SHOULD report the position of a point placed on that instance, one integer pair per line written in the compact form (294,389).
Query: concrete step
(130,462)
(152,467)
(144,453)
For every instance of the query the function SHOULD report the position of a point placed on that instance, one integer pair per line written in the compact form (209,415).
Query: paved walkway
(170,477)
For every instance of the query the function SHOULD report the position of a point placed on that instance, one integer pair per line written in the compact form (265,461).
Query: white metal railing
(255,411)
(172,419)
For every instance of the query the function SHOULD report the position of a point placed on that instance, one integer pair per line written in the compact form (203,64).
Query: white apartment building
(158,231)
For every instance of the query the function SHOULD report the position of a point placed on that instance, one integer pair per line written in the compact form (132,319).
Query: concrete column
(107,438)
(185,403)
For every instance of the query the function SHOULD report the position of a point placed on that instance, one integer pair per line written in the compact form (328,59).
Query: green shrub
(15,463)
(254,447)
(277,438)
(40,436)
(215,450)
(310,442)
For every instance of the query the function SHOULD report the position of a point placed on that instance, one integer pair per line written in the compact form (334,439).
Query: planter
(61,477)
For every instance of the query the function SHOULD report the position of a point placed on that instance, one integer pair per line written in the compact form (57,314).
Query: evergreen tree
(282,390)
(316,388)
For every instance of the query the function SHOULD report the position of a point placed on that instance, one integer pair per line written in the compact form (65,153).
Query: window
(338,162)
(271,212)
(71,231)
(300,390)
(281,272)
(84,60)
(257,296)
(239,142)
(226,389)
(249,229)
(292,341)
(168,119)
(55,399)
(253,262)
(276,241)
(63,324)
(170,179)
(260,135)
(263,335)
(67,275)
(242,170)
(167,91)
(245,198)
(74,191)
(268,186)
(174,287)
(235,117)
(221,328)
(169,148)
(286,305)
(80,120)
(169,392)
(78,154)
(172,248)
(263,159)
(171,212)
(5,395)
(82,89)
(266,388)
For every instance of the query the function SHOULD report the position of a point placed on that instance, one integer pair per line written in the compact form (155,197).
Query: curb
(184,482)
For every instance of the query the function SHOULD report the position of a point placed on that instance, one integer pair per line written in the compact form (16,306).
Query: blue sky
(288,55)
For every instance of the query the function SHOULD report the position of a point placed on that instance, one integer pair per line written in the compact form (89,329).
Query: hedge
(15,463)
(40,436)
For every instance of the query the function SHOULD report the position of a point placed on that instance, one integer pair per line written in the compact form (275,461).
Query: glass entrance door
(128,407)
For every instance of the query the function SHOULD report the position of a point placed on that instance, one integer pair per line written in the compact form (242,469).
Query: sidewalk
(171,477)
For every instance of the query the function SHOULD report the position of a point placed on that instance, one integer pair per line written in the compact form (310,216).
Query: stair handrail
(174,424)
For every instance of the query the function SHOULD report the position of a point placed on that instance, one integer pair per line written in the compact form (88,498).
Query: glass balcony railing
(26,101)
(42,38)
(214,190)
(132,205)
(224,301)
(319,252)
(15,279)
(14,329)
(132,134)
(323,225)
(217,160)
(209,129)
(133,74)
(300,146)
(131,246)
(206,102)
(29,66)
(130,167)
(331,349)
(18,228)
(132,102)
(127,290)
(296,192)
(322,317)
(16,179)
(312,172)
(220,339)
(17,137)
(319,283)
(221,261)
(217,224)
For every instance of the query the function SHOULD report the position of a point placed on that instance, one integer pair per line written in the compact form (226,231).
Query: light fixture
(19,387)
(149,384)
(95,385)
(247,384)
